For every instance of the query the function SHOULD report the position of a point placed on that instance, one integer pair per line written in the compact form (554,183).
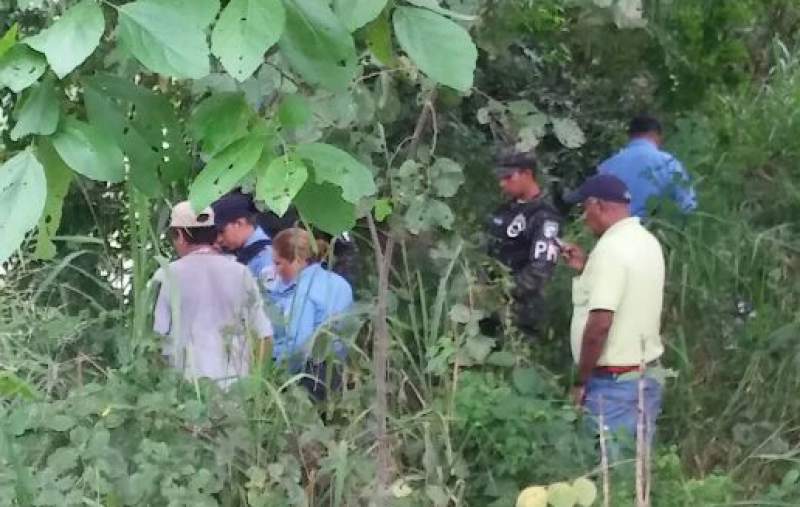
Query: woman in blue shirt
(311,299)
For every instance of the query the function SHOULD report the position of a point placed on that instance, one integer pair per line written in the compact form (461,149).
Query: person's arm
(595,335)
(680,186)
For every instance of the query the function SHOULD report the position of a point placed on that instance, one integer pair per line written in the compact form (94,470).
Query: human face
(593,215)
(517,184)
(234,235)
(288,270)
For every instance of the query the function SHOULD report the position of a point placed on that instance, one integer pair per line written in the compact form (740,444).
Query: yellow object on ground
(533,496)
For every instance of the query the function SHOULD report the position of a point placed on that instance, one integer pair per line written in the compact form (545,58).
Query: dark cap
(605,187)
(508,161)
(231,207)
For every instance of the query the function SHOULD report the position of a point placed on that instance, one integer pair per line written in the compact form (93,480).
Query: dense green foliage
(113,109)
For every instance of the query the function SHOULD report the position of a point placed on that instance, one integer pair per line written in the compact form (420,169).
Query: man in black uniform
(524,234)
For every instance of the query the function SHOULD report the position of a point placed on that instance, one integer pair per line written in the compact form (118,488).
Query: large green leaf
(441,48)
(58,178)
(20,67)
(323,207)
(22,194)
(144,125)
(89,151)
(164,39)
(200,12)
(280,182)
(378,35)
(294,111)
(338,167)
(245,31)
(37,112)
(317,45)
(225,170)
(424,214)
(9,38)
(357,13)
(219,120)
(71,39)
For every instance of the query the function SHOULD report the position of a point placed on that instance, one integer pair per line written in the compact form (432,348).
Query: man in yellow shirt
(617,299)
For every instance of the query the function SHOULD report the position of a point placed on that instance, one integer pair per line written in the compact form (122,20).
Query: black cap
(232,207)
(509,161)
(605,187)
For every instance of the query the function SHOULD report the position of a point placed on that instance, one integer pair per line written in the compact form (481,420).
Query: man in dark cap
(616,321)
(235,218)
(524,235)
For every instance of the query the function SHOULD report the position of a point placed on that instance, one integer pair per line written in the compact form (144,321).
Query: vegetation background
(128,118)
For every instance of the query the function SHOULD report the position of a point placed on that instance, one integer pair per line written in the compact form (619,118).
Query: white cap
(183,215)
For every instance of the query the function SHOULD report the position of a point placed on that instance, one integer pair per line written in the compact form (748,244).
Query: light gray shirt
(210,310)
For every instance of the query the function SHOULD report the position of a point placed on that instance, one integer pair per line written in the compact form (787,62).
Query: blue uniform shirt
(650,173)
(261,265)
(307,303)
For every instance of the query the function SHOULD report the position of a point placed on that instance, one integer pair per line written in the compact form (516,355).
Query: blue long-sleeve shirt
(307,304)
(651,173)
(261,265)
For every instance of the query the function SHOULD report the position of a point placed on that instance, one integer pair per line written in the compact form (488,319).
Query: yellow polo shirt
(625,274)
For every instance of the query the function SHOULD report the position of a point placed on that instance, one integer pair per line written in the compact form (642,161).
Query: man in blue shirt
(238,234)
(652,175)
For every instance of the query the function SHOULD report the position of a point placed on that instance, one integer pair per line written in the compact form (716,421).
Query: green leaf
(164,39)
(447,177)
(585,490)
(63,460)
(59,178)
(502,358)
(526,380)
(317,45)
(59,422)
(568,132)
(22,189)
(245,31)
(323,207)
(424,214)
(338,167)
(441,48)
(383,208)
(479,347)
(71,39)
(11,386)
(144,125)
(8,39)
(219,120)
(434,6)
(357,13)
(20,67)
(200,12)
(280,182)
(89,151)
(225,170)
(37,112)
(378,35)
(561,494)
(294,111)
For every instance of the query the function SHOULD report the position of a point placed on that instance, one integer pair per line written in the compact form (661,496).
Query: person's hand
(574,256)
(578,395)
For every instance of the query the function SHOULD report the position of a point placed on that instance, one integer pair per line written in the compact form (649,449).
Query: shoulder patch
(550,229)
(517,226)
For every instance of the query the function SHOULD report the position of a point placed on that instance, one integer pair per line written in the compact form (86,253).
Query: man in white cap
(209,306)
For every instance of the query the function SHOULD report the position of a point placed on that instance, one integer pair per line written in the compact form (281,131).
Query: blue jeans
(618,403)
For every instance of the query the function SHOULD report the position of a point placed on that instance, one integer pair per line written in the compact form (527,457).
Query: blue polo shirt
(651,174)
(308,304)
(262,266)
